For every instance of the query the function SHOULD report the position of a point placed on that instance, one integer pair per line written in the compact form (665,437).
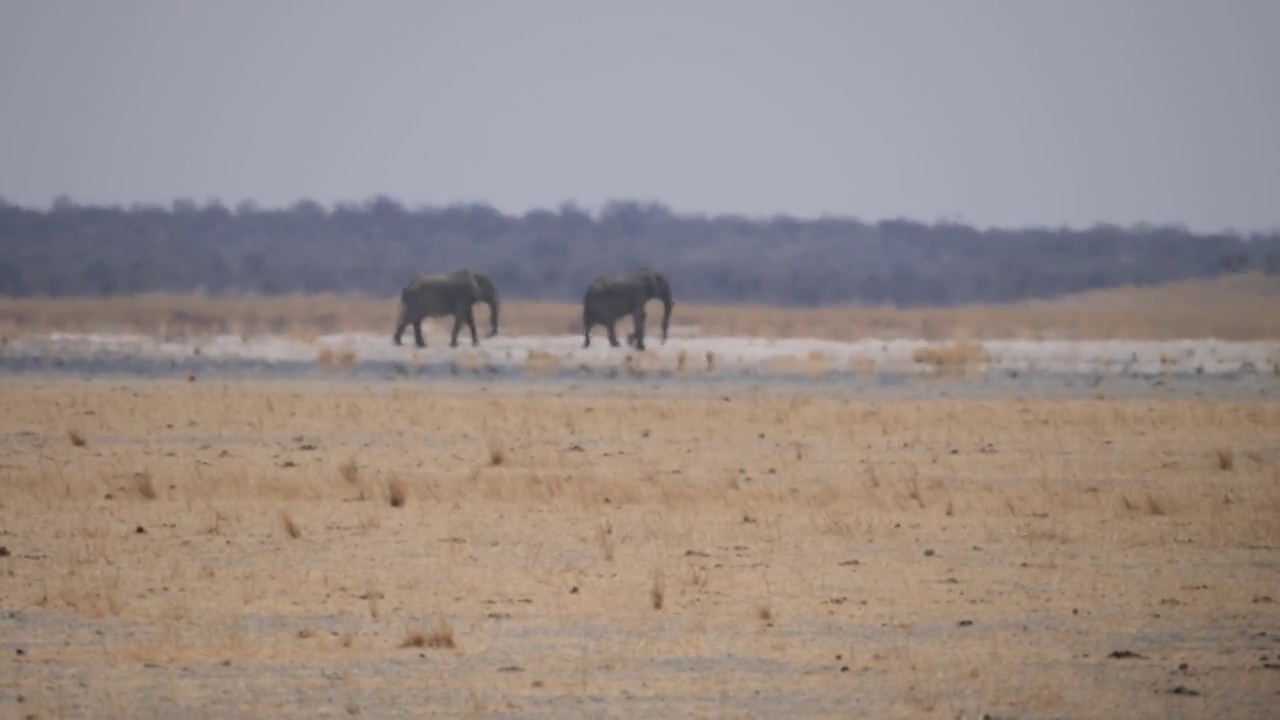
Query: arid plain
(305,548)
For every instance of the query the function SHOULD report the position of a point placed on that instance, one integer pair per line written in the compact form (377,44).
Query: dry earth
(306,550)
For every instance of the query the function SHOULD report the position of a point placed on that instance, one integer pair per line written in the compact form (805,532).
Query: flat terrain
(1233,307)
(404,549)
(864,370)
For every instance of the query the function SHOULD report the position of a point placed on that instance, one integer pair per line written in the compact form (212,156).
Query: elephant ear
(652,282)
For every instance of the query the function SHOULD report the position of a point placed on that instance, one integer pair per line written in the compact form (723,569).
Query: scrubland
(1229,308)
(247,549)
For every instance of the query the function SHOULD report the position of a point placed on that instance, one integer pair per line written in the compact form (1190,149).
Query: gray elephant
(612,297)
(443,295)
(488,295)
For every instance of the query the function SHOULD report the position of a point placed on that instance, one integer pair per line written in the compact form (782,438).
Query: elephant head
(485,293)
(656,286)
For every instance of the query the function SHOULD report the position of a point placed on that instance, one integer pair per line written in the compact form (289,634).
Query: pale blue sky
(997,113)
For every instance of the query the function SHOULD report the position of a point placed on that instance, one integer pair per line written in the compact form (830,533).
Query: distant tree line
(375,247)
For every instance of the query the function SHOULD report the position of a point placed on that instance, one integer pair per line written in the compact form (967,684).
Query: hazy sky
(997,113)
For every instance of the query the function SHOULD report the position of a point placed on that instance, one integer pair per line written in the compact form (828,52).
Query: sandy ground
(313,549)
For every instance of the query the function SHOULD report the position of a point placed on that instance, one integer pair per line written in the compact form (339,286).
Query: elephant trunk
(493,315)
(489,296)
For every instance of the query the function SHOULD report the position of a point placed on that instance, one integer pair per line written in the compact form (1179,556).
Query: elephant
(442,295)
(488,295)
(613,296)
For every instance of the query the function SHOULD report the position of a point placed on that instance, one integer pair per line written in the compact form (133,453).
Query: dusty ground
(177,549)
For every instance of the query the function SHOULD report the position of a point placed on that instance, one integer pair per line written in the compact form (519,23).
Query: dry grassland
(1230,308)
(301,550)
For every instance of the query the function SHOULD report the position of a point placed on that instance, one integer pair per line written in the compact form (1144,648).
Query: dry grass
(604,535)
(658,590)
(291,525)
(397,492)
(541,362)
(350,471)
(763,556)
(342,359)
(1226,458)
(496,452)
(439,636)
(954,358)
(145,485)
(1225,308)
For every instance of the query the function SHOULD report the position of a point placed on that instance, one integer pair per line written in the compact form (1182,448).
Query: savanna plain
(331,549)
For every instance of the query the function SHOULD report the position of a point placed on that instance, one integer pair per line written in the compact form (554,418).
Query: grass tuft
(397,493)
(343,359)
(954,357)
(291,525)
(350,471)
(1226,459)
(439,636)
(541,362)
(604,535)
(143,483)
(1154,506)
(496,454)
(76,437)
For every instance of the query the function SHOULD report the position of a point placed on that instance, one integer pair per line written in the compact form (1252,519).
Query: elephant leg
(587,323)
(638,333)
(401,323)
(457,326)
(418,339)
(471,325)
(612,327)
